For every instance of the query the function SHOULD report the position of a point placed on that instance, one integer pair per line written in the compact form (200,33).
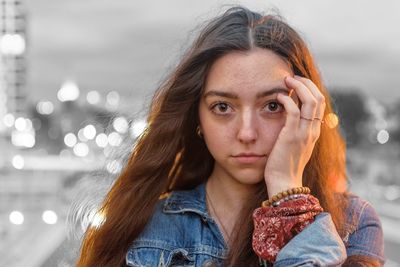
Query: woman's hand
(296,141)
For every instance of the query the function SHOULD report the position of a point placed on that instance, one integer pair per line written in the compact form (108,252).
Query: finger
(320,110)
(319,113)
(295,98)
(309,103)
(292,112)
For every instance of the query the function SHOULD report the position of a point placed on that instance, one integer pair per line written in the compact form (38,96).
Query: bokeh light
(81,150)
(121,125)
(331,120)
(392,192)
(70,139)
(93,97)
(12,44)
(18,162)
(102,140)
(49,217)
(16,217)
(82,136)
(137,128)
(45,107)
(382,137)
(23,139)
(9,120)
(89,132)
(114,139)
(21,124)
(69,91)
(113,98)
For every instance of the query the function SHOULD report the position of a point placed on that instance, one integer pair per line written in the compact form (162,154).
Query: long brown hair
(169,155)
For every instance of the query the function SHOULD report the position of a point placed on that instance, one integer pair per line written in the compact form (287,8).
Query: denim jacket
(182,233)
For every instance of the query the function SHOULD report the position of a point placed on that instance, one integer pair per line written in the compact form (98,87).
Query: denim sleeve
(319,244)
(367,239)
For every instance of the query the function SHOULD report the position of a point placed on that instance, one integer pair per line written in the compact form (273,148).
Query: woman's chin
(249,177)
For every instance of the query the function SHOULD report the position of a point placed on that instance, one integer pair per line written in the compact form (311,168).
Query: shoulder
(360,213)
(358,207)
(364,235)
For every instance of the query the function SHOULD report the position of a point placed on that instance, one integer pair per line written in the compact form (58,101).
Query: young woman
(239,165)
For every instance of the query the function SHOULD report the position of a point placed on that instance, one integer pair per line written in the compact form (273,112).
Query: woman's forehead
(260,69)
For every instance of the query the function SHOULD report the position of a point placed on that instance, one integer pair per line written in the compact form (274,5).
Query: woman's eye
(274,107)
(221,108)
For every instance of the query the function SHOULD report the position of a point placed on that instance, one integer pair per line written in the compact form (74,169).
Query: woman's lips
(246,158)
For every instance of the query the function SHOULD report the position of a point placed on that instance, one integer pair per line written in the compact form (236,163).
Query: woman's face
(240,118)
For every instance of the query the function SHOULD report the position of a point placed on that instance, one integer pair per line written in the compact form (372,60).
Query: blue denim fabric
(182,233)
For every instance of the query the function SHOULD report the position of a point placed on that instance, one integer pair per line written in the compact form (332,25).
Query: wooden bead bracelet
(283,194)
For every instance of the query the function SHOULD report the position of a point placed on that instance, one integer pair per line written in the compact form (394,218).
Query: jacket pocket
(181,258)
(160,257)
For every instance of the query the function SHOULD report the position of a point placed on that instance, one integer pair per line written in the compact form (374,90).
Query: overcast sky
(130,45)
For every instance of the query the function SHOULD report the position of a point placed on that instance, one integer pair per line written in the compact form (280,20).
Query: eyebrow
(235,96)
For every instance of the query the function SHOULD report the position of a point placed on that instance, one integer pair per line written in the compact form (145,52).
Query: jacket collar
(188,201)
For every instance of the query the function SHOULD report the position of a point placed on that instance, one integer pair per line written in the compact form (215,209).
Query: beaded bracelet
(283,194)
(290,197)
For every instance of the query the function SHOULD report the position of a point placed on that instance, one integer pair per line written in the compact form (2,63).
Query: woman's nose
(248,128)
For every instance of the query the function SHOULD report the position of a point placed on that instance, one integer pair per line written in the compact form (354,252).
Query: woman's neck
(228,193)
(227,197)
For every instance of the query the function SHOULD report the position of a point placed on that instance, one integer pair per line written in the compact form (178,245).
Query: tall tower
(12,59)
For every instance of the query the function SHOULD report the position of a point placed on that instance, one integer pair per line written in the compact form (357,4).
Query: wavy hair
(169,155)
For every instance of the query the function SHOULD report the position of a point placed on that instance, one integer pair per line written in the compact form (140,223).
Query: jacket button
(209,263)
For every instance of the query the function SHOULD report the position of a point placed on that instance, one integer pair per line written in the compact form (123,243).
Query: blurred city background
(76,78)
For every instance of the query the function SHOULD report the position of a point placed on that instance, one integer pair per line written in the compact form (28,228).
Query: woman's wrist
(278,186)
(286,194)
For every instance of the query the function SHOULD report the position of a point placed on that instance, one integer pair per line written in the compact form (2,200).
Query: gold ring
(301,117)
(318,119)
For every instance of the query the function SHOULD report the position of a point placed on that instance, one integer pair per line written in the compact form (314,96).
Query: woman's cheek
(214,132)
(272,131)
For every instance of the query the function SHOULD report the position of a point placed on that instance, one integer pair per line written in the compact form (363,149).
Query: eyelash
(280,106)
(212,108)
(219,113)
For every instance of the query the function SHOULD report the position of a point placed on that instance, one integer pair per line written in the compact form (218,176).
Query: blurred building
(13,37)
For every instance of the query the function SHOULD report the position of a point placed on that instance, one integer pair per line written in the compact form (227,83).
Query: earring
(198,131)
